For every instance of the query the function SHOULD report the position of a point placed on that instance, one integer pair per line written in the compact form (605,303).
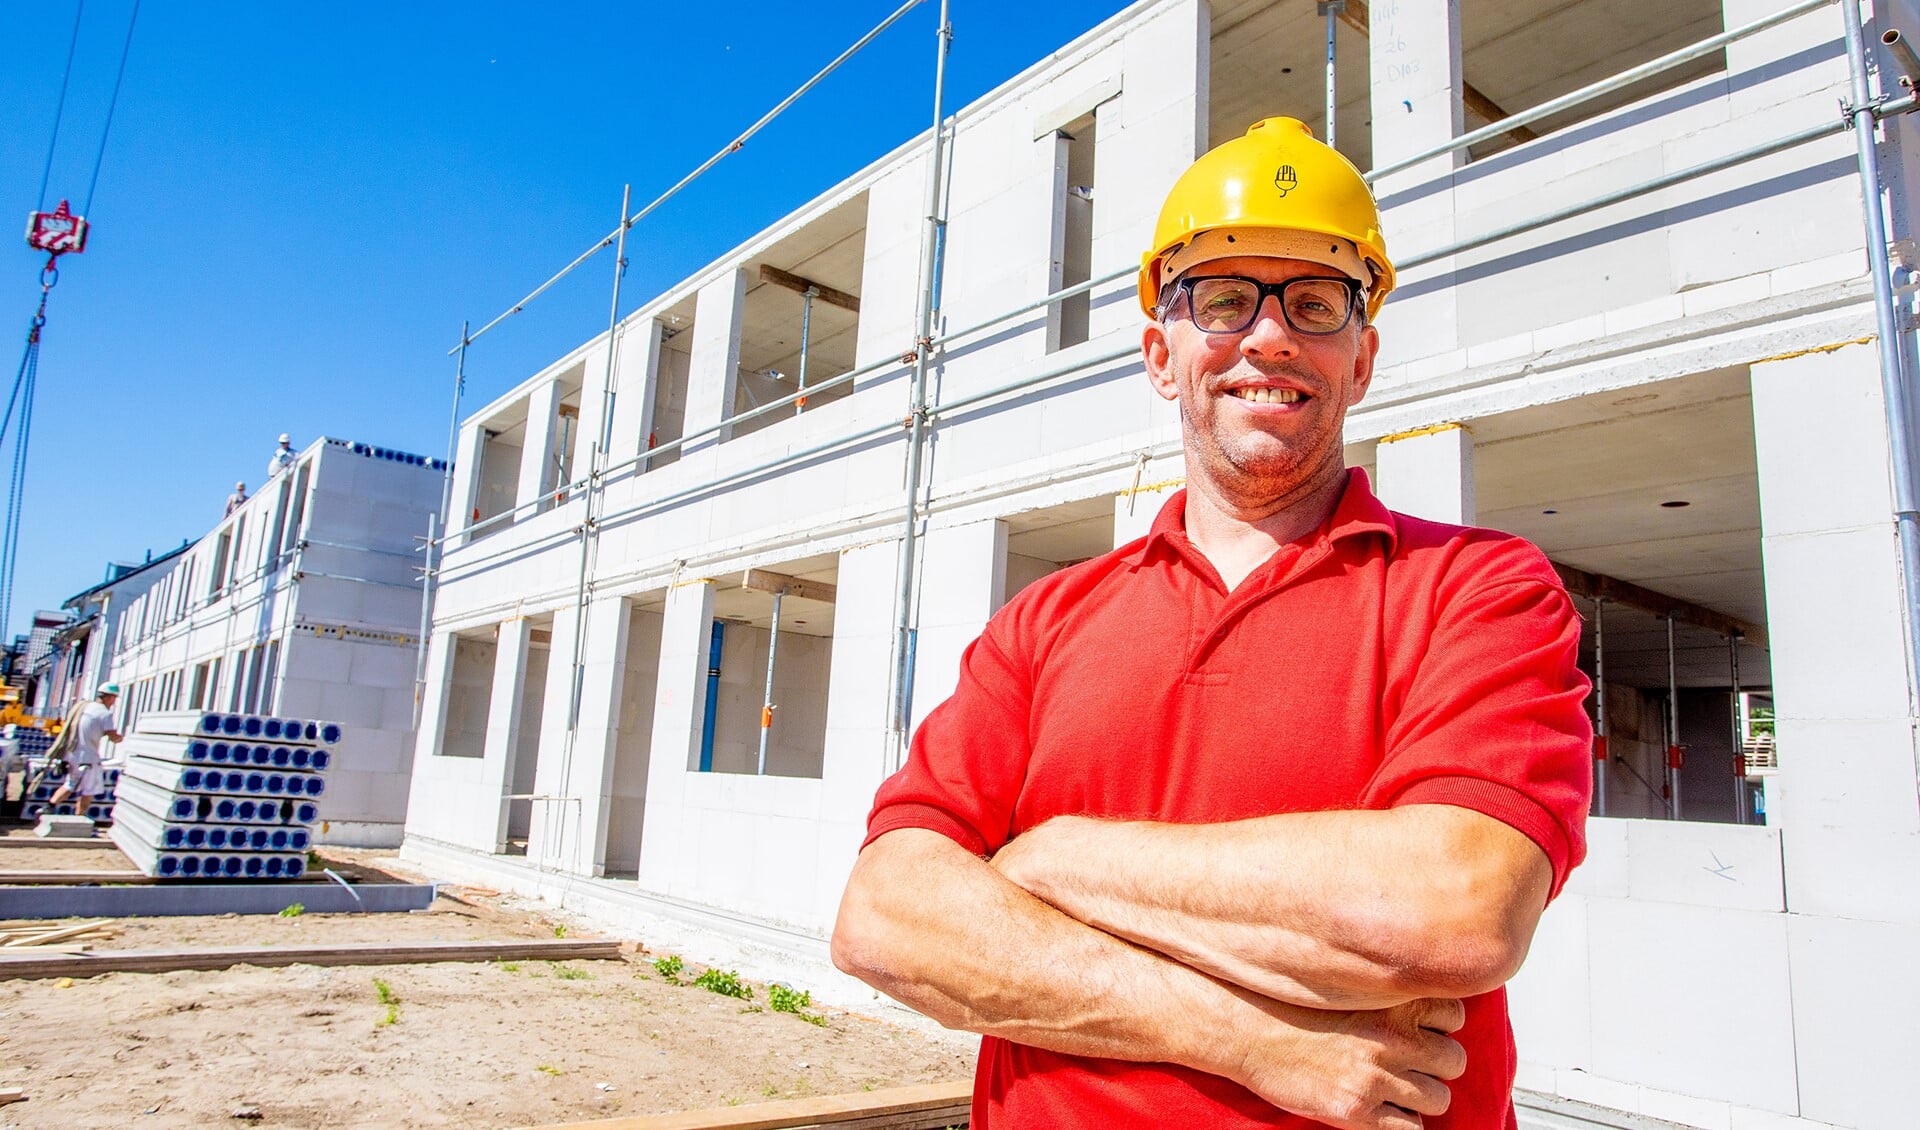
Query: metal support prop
(902,672)
(1901,441)
(1331,9)
(766,706)
(1739,744)
(806,338)
(1673,729)
(1600,754)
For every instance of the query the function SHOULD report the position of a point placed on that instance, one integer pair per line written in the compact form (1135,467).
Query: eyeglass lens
(1230,305)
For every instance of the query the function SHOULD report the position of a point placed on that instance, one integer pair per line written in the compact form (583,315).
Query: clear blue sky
(301,202)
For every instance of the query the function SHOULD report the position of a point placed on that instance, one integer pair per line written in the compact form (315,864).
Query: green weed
(668,968)
(727,984)
(294,911)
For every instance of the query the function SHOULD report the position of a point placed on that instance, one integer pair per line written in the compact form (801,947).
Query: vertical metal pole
(1739,745)
(1901,441)
(1331,10)
(1601,757)
(453,431)
(1673,728)
(613,325)
(806,336)
(766,706)
(426,626)
(902,673)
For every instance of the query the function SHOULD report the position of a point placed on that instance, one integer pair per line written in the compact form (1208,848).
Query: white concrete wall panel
(1717,982)
(1428,474)
(679,705)
(1854,999)
(962,582)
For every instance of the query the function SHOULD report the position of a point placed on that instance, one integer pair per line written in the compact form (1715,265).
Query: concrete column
(1414,54)
(636,367)
(603,673)
(466,479)
(1428,474)
(503,722)
(856,712)
(586,428)
(536,452)
(963,581)
(553,838)
(680,700)
(423,813)
(1848,804)
(714,366)
(1148,134)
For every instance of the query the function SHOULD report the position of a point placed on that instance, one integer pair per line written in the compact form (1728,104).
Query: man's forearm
(934,927)
(973,951)
(1327,909)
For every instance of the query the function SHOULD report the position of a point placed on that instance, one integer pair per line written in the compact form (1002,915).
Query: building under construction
(707,570)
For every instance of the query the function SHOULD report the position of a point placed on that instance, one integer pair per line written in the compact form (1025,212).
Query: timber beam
(762,580)
(1598,586)
(798,285)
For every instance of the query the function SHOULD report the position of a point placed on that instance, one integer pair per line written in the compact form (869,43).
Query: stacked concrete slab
(30,747)
(207,794)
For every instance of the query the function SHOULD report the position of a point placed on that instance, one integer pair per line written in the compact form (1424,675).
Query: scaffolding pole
(901,698)
(1894,388)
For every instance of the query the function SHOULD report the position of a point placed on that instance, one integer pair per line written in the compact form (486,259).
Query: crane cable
(24,382)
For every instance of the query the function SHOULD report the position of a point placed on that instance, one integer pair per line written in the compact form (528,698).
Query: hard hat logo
(1286,180)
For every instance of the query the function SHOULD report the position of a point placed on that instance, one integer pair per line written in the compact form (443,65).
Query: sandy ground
(468,1045)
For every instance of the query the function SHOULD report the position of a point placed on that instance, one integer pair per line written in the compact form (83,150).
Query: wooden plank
(1598,585)
(822,291)
(12,1095)
(923,1104)
(762,580)
(32,841)
(69,878)
(44,936)
(357,953)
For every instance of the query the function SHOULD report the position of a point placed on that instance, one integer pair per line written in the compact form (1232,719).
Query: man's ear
(1363,364)
(1157,354)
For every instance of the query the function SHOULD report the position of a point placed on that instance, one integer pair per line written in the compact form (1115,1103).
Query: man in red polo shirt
(1248,822)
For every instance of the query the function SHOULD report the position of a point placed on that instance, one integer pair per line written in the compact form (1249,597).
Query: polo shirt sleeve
(1494,718)
(969,758)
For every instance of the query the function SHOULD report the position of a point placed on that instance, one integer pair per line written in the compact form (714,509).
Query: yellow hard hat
(1275,191)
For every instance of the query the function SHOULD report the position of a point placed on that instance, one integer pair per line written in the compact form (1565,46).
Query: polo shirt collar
(1358,513)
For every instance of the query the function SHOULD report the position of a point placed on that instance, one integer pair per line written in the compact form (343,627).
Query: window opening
(1071,258)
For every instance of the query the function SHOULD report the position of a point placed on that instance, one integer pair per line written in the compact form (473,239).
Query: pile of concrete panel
(208,795)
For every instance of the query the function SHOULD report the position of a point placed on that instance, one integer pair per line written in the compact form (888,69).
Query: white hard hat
(108,689)
(285,438)
(240,486)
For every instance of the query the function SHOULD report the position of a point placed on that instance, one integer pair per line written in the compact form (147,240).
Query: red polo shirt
(1385,660)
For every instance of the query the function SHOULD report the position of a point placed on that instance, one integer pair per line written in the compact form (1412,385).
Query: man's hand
(1368,1070)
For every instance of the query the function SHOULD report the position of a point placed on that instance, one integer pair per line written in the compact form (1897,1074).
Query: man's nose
(1270,338)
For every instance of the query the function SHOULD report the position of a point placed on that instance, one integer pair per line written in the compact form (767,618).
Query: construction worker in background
(282,456)
(237,498)
(1247,822)
(79,746)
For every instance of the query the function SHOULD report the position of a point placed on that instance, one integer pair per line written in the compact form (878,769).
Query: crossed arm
(1313,958)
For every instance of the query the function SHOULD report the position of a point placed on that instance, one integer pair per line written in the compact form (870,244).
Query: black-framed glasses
(1230,304)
